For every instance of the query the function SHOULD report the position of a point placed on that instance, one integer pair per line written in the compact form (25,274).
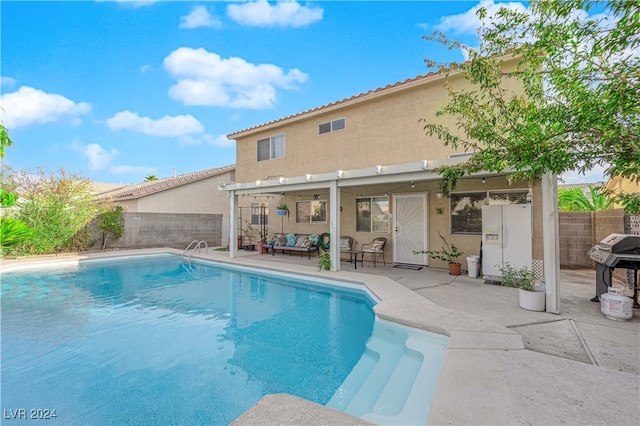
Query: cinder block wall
(175,230)
(576,238)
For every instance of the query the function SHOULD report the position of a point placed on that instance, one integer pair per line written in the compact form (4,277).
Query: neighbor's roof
(143,189)
(580,185)
(103,187)
(358,97)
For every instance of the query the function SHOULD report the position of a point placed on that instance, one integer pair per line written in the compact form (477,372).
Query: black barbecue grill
(616,251)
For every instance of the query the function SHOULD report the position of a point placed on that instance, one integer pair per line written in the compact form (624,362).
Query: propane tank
(615,305)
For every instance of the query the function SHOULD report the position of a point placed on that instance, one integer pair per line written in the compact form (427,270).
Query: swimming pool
(157,341)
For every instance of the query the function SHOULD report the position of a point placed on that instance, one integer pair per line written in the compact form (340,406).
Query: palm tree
(149,178)
(571,200)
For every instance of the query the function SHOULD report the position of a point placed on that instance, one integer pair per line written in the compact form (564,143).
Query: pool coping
(487,376)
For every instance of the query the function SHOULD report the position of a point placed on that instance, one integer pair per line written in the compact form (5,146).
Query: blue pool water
(152,341)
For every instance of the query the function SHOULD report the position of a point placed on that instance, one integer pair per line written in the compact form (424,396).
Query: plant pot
(455,268)
(261,248)
(282,212)
(532,300)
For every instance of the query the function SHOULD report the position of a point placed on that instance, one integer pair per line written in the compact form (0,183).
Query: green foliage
(568,100)
(518,277)
(7,199)
(56,205)
(5,140)
(150,178)
(629,201)
(13,232)
(111,223)
(575,200)
(324,261)
(448,254)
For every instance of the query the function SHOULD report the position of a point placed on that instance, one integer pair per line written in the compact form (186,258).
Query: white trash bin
(473,263)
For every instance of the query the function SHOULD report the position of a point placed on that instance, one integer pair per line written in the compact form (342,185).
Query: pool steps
(394,380)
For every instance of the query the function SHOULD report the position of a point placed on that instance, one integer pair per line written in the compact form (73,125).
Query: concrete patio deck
(578,367)
(504,365)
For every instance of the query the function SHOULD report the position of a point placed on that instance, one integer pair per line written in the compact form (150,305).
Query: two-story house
(363,167)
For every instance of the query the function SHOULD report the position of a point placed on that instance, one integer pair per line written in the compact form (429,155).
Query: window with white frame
(332,126)
(260,214)
(312,211)
(372,214)
(271,147)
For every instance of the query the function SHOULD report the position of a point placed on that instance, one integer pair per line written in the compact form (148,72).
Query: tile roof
(580,185)
(102,187)
(360,96)
(147,188)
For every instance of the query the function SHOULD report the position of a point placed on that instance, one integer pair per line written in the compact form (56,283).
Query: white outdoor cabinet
(506,238)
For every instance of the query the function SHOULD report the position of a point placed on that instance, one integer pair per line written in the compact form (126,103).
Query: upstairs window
(332,126)
(270,148)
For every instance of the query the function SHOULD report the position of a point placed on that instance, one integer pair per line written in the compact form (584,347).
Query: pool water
(154,341)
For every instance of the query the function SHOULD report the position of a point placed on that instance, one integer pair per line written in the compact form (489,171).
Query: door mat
(408,266)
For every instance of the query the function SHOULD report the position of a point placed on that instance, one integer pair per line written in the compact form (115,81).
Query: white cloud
(469,22)
(166,126)
(146,68)
(596,174)
(282,14)
(7,81)
(200,17)
(124,169)
(99,158)
(219,141)
(206,79)
(134,3)
(32,106)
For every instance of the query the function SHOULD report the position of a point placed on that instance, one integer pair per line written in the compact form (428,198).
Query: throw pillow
(292,239)
(344,244)
(377,245)
(301,241)
(314,239)
(281,240)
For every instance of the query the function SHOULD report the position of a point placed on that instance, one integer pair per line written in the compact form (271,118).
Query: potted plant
(324,261)
(261,243)
(530,296)
(282,210)
(448,254)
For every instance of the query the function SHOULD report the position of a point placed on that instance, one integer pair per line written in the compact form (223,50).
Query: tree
(575,200)
(5,140)
(111,223)
(580,101)
(150,178)
(55,205)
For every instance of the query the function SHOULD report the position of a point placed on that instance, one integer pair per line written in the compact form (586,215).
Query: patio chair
(374,248)
(346,243)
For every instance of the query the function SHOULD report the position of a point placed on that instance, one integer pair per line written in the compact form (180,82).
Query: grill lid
(621,243)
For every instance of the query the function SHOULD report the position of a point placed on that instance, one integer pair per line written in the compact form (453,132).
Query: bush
(518,277)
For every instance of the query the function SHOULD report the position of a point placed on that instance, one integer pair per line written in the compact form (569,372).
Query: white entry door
(410,222)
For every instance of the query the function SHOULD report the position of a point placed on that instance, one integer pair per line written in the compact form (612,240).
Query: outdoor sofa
(301,243)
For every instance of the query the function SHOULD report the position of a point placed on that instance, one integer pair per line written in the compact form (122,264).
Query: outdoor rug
(408,266)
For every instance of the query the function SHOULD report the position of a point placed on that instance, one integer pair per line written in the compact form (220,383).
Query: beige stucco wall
(385,129)
(199,197)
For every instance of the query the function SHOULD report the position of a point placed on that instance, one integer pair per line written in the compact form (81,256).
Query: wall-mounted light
(484,180)
(386,194)
(316,196)
(439,195)
(413,184)
(529,196)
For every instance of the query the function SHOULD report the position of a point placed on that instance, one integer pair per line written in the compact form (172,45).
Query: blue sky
(118,90)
